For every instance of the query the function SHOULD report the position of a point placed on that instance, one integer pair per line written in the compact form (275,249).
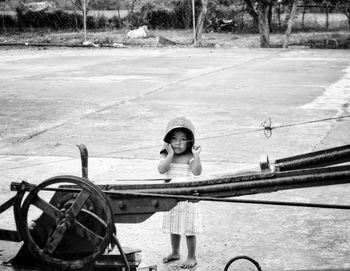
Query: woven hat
(183,123)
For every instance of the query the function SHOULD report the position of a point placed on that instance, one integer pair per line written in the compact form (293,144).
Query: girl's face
(178,142)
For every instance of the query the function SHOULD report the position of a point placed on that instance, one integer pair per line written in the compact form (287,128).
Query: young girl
(180,158)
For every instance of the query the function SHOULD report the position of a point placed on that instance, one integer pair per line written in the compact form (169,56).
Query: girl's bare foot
(189,263)
(171,257)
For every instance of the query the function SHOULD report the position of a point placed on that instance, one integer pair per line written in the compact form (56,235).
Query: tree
(201,19)
(131,5)
(290,23)
(344,7)
(306,4)
(251,11)
(260,10)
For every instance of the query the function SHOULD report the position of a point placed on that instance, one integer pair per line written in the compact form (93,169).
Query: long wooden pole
(290,24)
(194,23)
(84,15)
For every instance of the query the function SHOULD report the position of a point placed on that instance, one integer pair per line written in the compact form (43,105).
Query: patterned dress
(184,218)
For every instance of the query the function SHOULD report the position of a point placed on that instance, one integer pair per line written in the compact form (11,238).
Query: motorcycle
(221,25)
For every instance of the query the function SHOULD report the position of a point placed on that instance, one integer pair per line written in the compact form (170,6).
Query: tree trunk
(279,16)
(269,17)
(264,28)
(290,24)
(75,17)
(345,9)
(19,18)
(132,6)
(186,14)
(327,16)
(252,12)
(201,19)
(303,18)
(118,9)
(3,23)
(261,16)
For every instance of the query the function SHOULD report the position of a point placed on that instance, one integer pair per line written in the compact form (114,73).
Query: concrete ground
(117,102)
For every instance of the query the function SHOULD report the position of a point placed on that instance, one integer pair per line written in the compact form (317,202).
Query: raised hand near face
(168,148)
(196,150)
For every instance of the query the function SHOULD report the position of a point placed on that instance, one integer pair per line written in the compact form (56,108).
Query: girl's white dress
(184,218)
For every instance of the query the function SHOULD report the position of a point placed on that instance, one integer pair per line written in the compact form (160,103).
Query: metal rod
(264,202)
(321,158)
(166,180)
(125,260)
(84,155)
(254,186)
(9,235)
(7,204)
(204,181)
(198,198)
(229,186)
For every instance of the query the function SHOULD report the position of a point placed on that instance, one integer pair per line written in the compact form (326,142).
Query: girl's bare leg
(175,247)
(191,256)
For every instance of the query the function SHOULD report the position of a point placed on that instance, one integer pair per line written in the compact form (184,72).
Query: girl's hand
(196,149)
(168,148)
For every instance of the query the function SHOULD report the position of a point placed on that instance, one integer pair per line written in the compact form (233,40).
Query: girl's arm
(165,160)
(195,164)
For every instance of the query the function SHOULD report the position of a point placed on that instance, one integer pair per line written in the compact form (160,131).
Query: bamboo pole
(290,24)
(84,11)
(194,23)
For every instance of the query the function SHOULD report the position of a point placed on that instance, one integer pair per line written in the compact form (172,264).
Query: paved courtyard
(118,101)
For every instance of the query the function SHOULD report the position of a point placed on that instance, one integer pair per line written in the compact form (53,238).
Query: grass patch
(333,40)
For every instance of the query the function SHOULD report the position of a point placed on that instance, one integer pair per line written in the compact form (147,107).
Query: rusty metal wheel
(66,224)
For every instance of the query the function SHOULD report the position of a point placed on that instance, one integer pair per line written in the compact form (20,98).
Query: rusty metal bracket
(22,186)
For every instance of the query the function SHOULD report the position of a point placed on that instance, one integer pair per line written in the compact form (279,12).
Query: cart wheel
(68,222)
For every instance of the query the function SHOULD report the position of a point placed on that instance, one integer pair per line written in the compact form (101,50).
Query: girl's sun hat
(180,123)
